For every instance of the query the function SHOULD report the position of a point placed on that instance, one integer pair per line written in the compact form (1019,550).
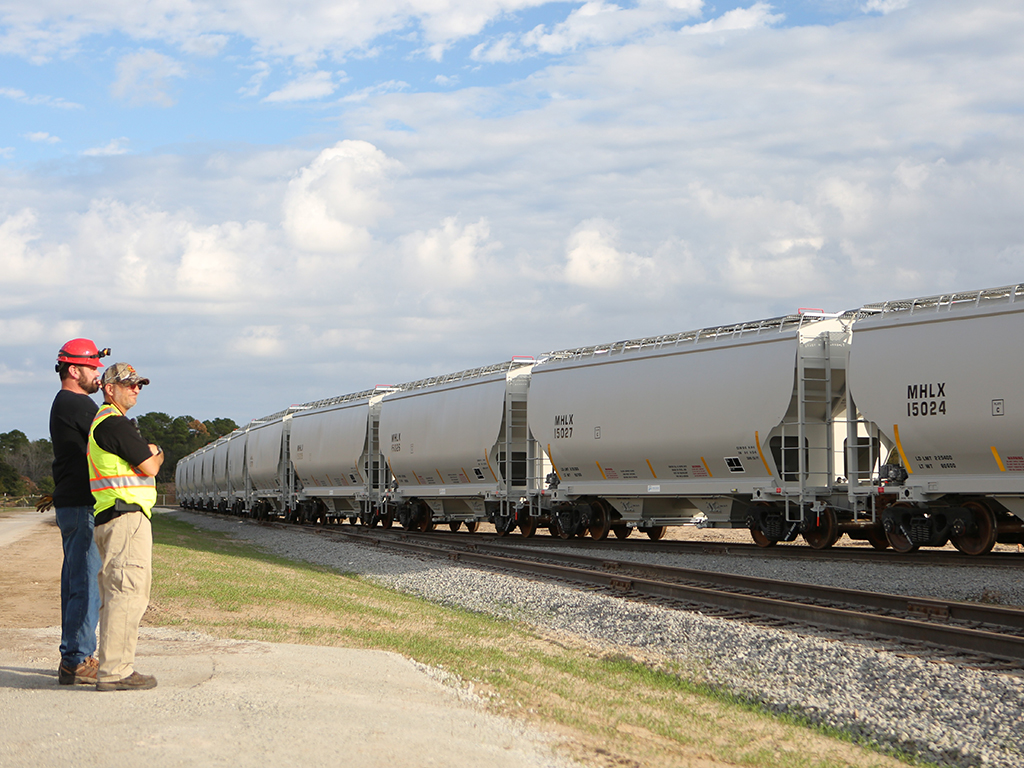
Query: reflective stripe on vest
(112,478)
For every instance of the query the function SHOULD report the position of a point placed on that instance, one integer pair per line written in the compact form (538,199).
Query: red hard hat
(82,352)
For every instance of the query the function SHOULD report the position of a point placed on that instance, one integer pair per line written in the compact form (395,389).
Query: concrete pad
(240,703)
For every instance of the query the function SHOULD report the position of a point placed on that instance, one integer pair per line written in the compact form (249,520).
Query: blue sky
(259,205)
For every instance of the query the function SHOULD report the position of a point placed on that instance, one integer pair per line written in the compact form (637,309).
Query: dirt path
(30,573)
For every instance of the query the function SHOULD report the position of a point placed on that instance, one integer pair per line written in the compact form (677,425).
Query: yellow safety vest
(112,478)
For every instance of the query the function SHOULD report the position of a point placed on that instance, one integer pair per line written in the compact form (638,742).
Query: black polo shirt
(120,435)
(71,417)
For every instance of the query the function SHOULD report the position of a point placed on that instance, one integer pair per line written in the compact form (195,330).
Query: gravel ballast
(940,712)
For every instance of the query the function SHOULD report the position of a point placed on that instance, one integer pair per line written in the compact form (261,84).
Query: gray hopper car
(899,423)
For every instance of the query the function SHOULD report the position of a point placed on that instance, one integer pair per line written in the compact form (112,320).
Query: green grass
(606,706)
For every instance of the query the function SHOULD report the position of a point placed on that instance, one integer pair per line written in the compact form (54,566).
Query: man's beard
(89,382)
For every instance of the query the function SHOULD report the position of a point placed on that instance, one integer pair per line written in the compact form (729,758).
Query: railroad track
(969,634)
(796,551)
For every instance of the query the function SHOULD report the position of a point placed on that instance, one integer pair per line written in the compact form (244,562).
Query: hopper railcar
(900,423)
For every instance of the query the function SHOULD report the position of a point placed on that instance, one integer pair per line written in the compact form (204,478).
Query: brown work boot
(84,673)
(134,682)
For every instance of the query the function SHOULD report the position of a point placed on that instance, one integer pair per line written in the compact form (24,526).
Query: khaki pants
(126,549)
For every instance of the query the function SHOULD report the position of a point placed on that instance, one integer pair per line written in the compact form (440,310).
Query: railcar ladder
(856,477)
(288,473)
(814,412)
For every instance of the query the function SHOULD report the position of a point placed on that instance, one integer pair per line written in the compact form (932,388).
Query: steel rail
(947,610)
(739,549)
(964,639)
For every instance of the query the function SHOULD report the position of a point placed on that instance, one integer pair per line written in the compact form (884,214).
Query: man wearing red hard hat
(70,419)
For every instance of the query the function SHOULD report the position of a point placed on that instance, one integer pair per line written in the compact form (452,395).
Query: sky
(260,204)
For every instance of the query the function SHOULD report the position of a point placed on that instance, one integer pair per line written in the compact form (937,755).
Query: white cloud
(261,70)
(25,259)
(449,255)
(207,45)
(305,34)
(115,147)
(42,137)
(331,203)
(46,101)
(312,85)
(597,22)
(390,86)
(884,6)
(217,262)
(144,78)
(260,341)
(593,259)
(786,275)
(7,152)
(166,259)
(38,329)
(854,201)
(757,15)
(504,49)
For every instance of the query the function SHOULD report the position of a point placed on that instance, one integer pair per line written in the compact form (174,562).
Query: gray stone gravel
(940,712)
(1002,585)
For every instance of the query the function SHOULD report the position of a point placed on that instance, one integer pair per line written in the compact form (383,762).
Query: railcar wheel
(825,532)
(761,538)
(621,531)
(600,520)
(983,537)
(454,526)
(655,532)
(528,526)
(876,538)
(565,521)
(900,543)
(408,518)
(386,520)
(897,539)
(472,526)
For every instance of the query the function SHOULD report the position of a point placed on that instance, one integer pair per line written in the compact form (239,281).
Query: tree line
(26,465)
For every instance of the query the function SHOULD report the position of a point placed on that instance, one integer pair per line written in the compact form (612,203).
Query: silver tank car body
(180,485)
(222,488)
(687,428)
(335,452)
(267,463)
(209,485)
(236,473)
(942,379)
(444,440)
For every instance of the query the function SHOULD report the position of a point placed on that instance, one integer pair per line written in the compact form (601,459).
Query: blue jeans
(79,585)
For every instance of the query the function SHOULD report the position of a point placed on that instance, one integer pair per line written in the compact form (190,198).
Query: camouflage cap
(122,373)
